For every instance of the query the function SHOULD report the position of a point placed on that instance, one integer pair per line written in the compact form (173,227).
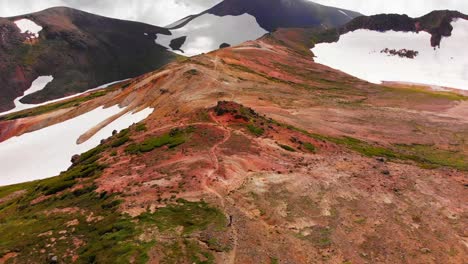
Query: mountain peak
(274,14)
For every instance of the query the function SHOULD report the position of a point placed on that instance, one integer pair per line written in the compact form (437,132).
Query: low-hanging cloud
(155,12)
(164,12)
(413,8)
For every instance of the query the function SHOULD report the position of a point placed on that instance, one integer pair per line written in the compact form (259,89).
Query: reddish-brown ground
(331,205)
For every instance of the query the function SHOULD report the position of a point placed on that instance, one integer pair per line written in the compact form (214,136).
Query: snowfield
(41,83)
(207,32)
(358,53)
(47,152)
(28,26)
(37,85)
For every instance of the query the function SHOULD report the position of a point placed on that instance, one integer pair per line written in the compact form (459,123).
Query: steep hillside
(275,14)
(254,154)
(232,22)
(80,50)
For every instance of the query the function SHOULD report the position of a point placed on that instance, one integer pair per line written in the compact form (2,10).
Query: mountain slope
(275,14)
(235,21)
(80,50)
(254,154)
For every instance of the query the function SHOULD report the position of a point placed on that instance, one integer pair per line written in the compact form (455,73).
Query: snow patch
(45,153)
(344,13)
(358,53)
(29,27)
(178,23)
(37,85)
(20,106)
(207,32)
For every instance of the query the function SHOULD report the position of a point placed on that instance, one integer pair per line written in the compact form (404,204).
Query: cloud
(155,12)
(413,8)
(164,12)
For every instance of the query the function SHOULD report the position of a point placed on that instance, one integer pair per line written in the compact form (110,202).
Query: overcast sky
(164,12)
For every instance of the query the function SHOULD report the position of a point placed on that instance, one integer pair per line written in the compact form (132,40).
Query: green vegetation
(172,139)
(274,260)
(422,93)
(52,107)
(257,131)
(265,76)
(121,138)
(310,147)
(192,216)
(286,147)
(64,216)
(318,235)
(186,251)
(432,157)
(192,72)
(140,127)
(330,35)
(426,156)
(120,141)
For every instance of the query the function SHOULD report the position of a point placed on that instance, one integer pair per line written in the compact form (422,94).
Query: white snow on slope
(358,53)
(207,32)
(178,22)
(45,153)
(344,13)
(28,26)
(37,85)
(20,106)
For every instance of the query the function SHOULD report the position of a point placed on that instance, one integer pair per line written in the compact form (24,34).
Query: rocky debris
(380,159)
(402,53)
(425,250)
(386,172)
(52,258)
(75,159)
(239,111)
(224,45)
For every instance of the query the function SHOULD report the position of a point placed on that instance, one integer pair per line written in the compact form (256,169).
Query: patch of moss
(274,260)
(120,141)
(311,148)
(140,127)
(286,147)
(186,251)
(112,237)
(257,131)
(424,155)
(432,157)
(422,93)
(172,139)
(192,216)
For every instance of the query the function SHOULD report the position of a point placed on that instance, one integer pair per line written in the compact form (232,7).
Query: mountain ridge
(77,48)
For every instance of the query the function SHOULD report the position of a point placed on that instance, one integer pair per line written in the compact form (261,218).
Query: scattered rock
(53,259)
(75,159)
(425,250)
(386,172)
(381,159)
(224,45)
